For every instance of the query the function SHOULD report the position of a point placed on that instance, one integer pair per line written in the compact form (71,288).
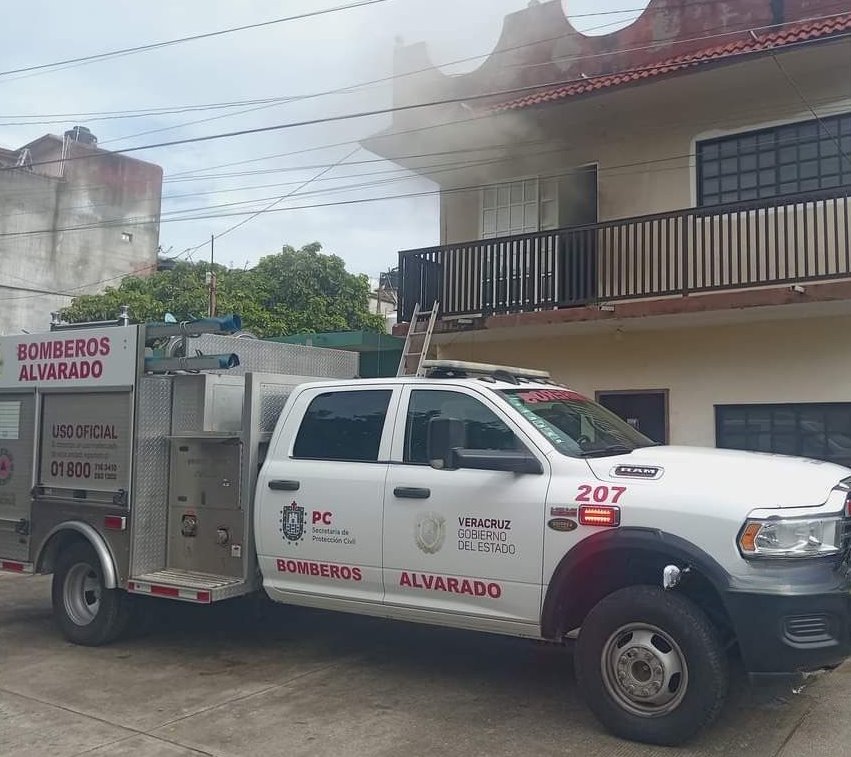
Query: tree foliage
(291,292)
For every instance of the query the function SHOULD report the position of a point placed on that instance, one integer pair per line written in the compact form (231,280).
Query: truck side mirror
(444,436)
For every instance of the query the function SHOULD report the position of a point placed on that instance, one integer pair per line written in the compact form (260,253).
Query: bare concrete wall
(73,235)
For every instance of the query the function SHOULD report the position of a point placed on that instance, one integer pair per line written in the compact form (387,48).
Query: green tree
(290,292)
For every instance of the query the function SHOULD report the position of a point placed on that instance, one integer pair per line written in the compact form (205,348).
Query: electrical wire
(357,88)
(252,214)
(203,214)
(191,38)
(391,110)
(809,106)
(349,201)
(279,200)
(400,173)
(230,30)
(275,102)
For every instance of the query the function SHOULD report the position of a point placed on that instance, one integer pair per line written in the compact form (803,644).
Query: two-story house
(659,216)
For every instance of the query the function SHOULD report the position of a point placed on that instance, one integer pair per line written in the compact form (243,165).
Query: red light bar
(848,505)
(605,516)
(15,567)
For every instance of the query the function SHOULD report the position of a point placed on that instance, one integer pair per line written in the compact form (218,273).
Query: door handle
(284,486)
(411,492)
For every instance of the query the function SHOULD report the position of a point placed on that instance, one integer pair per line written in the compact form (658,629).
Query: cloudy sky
(239,175)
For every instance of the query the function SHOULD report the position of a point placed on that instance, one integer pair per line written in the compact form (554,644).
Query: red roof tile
(788,35)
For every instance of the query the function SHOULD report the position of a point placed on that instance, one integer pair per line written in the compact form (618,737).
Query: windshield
(575,425)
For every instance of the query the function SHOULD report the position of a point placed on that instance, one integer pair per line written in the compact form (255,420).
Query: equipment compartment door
(17,429)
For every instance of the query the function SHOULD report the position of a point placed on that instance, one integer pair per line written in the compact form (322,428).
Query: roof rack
(463,369)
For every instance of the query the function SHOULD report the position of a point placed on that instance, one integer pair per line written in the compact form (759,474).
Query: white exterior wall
(643,137)
(802,360)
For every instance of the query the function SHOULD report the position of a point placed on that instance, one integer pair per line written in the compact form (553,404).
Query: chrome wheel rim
(644,670)
(81,594)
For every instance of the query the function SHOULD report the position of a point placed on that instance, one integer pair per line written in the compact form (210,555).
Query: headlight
(792,537)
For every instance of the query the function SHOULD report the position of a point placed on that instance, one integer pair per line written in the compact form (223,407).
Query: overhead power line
(394,175)
(655,165)
(386,111)
(266,103)
(340,203)
(234,29)
(256,213)
(400,173)
(833,109)
(191,38)
(275,201)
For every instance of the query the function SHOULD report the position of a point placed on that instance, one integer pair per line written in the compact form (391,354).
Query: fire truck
(181,461)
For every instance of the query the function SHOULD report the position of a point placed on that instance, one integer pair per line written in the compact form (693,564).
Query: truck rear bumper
(783,633)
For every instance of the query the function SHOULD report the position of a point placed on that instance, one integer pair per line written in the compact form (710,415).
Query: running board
(184,585)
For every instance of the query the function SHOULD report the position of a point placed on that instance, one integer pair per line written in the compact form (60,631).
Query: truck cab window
(483,429)
(343,426)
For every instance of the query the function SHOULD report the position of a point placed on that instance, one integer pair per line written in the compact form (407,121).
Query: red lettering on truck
(450,585)
(317,569)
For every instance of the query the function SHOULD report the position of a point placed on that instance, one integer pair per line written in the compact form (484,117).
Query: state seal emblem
(430,532)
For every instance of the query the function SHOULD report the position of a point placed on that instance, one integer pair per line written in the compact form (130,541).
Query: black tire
(85,611)
(624,643)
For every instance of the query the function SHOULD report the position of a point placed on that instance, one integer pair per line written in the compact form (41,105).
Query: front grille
(808,629)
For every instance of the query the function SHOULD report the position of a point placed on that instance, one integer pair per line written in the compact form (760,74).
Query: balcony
(786,240)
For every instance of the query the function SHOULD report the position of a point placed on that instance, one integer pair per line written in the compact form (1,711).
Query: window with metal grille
(783,160)
(818,430)
(519,207)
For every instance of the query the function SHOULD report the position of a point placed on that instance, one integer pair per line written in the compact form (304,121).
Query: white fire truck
(177,461)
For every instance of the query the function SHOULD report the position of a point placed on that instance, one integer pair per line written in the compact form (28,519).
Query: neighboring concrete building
(73,219)
(659,216)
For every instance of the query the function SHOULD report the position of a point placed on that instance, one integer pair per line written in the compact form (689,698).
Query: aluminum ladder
(417,341)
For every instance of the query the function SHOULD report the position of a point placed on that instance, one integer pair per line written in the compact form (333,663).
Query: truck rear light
(594,515)
(848,505)
(15,567)
(184,593)
(165,591)
(115,522)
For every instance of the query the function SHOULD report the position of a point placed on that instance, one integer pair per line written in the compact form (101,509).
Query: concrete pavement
(218,681)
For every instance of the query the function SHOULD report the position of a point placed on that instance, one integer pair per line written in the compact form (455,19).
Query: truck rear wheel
(651,666)
(85,610)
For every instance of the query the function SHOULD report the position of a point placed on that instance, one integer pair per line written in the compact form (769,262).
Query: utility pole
(211,277)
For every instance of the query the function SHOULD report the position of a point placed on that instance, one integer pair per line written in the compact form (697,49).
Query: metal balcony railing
(782,240)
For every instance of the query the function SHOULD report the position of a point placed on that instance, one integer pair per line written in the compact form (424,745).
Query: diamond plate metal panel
(220,587)
(149,506)
(273,397)
(188,404)
(258,356)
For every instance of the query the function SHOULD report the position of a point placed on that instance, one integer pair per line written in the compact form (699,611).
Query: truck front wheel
(651,666)
(85,610)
